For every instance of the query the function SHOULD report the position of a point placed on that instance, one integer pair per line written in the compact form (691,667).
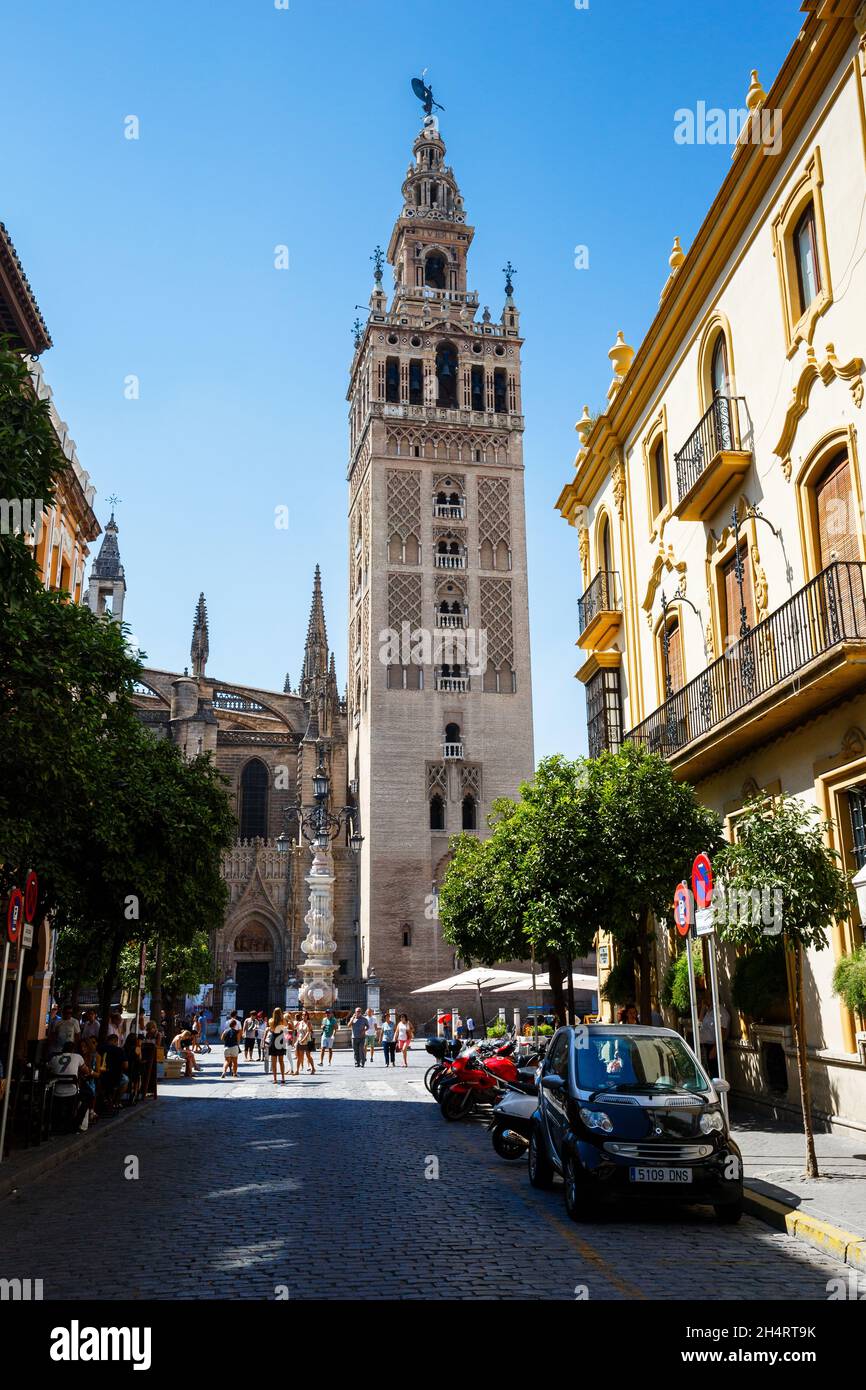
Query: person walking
(388,1044)
(372,1034)
(358,1029)
(261,1029)
(249,1035)
(276,1043)
(329,1027)
(304,1042)
(405,1035)
(231,1040)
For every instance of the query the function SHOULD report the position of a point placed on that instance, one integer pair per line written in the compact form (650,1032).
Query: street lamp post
(320,826)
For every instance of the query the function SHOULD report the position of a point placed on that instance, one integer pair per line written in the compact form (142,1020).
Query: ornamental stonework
(494,511)
(404,502)
(404,600)
(496,621)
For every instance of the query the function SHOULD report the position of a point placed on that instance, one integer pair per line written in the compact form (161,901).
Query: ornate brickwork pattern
(437,780)
(454,482)
(496,621)
(470,780)
(365,640)
(404,600)
(404,502)
(494,511)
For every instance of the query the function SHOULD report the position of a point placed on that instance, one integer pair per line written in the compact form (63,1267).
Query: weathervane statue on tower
(425,94)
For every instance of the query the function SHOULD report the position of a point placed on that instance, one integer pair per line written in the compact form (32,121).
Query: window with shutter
(836,512)
(732,597)
(676,665)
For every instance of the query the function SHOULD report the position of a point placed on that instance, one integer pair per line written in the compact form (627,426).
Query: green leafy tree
(781,850)
(642,832)
(30,461)
(185,966)
(849,980)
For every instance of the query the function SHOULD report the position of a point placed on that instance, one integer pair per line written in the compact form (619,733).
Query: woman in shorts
(276,1044)
(231,1040)
(404,1037)
(304,1043)
(249,1032)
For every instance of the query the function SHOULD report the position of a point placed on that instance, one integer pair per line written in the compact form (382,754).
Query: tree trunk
(106,989)
(645,957)
(554,974)
(795,983)
(571,1016)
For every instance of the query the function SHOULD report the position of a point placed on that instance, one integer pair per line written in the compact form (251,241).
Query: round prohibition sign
(31,896)
(14,915)
(682,909)
(702,881)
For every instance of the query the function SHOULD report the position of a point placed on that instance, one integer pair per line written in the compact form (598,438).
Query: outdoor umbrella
(479,978)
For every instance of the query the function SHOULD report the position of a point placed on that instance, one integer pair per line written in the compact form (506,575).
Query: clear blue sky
(261,126)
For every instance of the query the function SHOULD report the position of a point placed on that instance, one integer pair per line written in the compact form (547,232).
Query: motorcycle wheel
(507,1148)
(456,1105)
(430,1076)
(439,1084)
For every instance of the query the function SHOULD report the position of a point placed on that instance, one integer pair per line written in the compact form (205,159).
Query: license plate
(660,1174)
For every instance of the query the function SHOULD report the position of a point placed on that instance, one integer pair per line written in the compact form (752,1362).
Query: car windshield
(622,1062)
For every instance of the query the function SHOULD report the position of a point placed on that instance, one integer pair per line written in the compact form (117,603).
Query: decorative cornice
(828,371)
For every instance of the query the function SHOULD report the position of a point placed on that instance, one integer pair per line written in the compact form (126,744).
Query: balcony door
(841,596)
(739,666)
(719,382)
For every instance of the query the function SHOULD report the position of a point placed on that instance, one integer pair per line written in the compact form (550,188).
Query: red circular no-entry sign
(14,914)
(682,909)
(702,881)
(31,896)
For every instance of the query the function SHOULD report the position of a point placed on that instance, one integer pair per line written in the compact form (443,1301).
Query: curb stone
(834,1241)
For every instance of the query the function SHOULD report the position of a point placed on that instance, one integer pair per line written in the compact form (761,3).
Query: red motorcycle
(473,1082)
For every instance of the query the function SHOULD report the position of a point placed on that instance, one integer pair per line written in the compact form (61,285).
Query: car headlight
(597,1119)
(711,1122)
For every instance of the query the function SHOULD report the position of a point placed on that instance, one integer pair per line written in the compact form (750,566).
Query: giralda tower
(440,703)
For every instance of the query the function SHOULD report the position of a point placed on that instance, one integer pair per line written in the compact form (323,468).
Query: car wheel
(576,1204)
(730,1213)
(539,1165)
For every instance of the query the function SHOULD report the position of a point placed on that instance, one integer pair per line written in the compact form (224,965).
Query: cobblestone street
(320,1188)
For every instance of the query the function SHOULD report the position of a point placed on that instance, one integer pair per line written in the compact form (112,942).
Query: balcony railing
(450,562)
(717,433)
(452,750)
(449,619)
(452,510)
(788,655)
(452,684)
(602,596)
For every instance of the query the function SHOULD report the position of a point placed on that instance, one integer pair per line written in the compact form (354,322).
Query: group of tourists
(95,1069)
(281,1037)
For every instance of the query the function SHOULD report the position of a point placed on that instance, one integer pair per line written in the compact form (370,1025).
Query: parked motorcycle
(477,1081)
(511,1122)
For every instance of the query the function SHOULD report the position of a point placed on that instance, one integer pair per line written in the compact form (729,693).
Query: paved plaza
(349,1185)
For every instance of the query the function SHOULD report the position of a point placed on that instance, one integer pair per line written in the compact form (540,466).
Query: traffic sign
(31,896)
(702,881)
(27,936)
(705,921)
(14,913)
(682,909)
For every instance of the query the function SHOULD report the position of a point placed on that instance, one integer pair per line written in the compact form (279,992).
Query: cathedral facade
(439,688)
(268,745)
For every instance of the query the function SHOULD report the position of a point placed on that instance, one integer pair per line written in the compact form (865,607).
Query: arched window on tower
(392,379)
(416,382)
(437,813)
(477,396)
(434,270)
(500,391)
(254,801)
(469,813)
(446,375)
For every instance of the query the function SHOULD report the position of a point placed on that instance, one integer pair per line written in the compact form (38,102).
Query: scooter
(511,1123)
(474,1082)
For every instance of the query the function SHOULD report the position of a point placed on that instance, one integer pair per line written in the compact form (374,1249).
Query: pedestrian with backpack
(231,1041)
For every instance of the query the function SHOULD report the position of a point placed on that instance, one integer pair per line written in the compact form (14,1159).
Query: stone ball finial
(621,355)
(756,95)
(584,425)
(677,256)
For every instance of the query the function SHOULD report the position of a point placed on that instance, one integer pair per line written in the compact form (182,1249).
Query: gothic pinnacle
(200,647)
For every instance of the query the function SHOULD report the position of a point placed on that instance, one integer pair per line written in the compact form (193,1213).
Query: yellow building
(61,532)
(719,505)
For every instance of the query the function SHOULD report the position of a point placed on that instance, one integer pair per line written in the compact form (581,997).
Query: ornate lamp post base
(317,990)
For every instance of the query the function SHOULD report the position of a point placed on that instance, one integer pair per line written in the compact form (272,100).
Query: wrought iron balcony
(807,654)
(600,611)
(713,461)
(452,750)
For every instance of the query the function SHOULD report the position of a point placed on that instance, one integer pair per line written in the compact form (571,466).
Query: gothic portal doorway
(254,986)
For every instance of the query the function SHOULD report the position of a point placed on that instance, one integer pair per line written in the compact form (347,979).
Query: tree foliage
(30,459)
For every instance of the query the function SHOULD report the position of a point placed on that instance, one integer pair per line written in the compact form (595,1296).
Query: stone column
(317,989)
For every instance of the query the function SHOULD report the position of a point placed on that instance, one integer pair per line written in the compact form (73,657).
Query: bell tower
(439,696)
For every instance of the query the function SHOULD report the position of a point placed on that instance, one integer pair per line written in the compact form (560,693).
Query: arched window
(836,512)
(434,270)
(605,552)
(500,391)
(659,478)
(719,367)
(437,813)
(254,801)
(446,374)
(806,258)
(416,382)
(452,733)
(477,383)
(407,934)
(392,379)
(469,813)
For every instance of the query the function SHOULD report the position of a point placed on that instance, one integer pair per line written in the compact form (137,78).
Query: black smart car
(628,1114)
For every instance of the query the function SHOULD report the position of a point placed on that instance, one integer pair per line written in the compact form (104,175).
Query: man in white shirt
(71,1071)
(67,1032)
(707,1031)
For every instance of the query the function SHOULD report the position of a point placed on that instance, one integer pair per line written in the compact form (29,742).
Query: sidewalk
(26,1165)
(828,1212)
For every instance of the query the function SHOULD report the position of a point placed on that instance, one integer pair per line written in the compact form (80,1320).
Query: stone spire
(316,649)
(287,685)
(107,580)
(200,648)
